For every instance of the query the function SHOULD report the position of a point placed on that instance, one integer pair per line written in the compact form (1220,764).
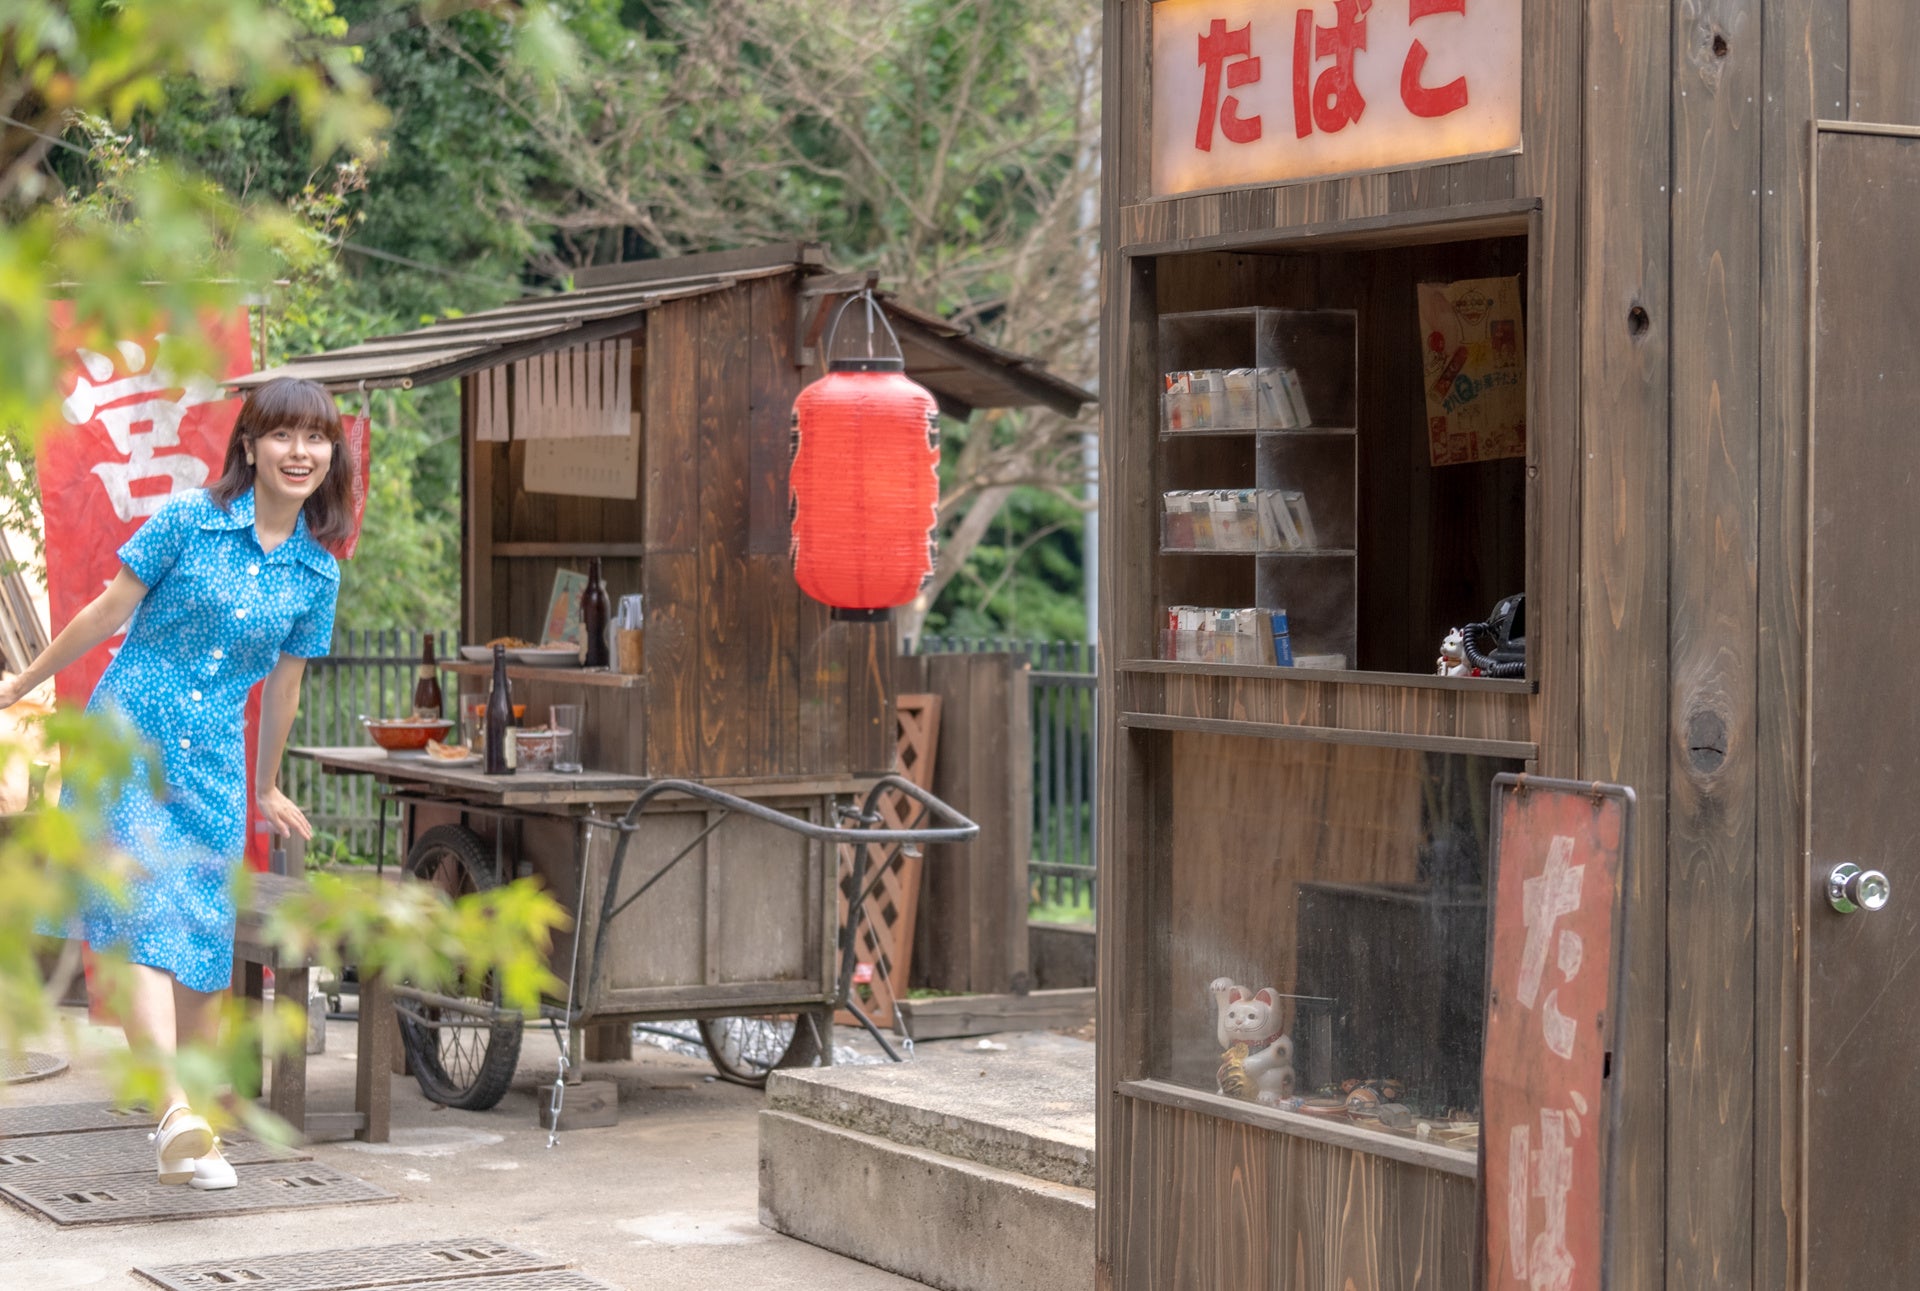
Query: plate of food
(484,653)
(561,655)
(450,755)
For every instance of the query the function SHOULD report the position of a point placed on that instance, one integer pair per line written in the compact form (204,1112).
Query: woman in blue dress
(226,586)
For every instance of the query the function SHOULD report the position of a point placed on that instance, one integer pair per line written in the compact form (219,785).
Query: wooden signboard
(1555,963)
(1246,92)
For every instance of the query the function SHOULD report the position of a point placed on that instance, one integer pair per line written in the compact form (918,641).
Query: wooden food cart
(1702,212)
(643,419)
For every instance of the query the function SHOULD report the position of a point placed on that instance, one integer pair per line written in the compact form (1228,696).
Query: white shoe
(177,1141)
(213,1172)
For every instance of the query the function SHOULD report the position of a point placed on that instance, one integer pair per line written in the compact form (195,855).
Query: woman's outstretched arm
(279,697)
(104,616)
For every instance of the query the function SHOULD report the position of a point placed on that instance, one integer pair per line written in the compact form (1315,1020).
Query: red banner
(360,443)
(129,437)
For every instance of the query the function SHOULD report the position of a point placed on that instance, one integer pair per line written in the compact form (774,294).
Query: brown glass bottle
(499,716)
(594,613)
(426,686)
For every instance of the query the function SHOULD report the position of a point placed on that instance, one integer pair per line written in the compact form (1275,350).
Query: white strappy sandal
(178,1140)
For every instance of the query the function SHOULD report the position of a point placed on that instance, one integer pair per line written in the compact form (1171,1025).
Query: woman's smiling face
(289,464)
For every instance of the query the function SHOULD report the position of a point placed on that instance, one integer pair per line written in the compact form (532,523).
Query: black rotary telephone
(1498,647)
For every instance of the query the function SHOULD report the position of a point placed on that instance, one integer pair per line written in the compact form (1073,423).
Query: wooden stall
(1674,235)
(643,419)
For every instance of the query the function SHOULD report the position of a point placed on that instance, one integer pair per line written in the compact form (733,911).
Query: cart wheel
(744,1049)
(462,1057)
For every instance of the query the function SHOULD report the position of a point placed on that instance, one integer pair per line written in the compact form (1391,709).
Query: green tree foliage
(137,237)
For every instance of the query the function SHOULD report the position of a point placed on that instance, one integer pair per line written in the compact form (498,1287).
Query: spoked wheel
(462,1047)
(745,1048)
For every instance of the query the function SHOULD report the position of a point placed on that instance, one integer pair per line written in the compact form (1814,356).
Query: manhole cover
(67,1118)
(19,1066)
(132,1198)
(122,1151)
(405,1264)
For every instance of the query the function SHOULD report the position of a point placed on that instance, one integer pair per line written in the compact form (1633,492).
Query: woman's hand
(12,692)
(283,817)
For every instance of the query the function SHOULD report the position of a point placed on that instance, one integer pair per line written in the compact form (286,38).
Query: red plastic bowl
(407,734)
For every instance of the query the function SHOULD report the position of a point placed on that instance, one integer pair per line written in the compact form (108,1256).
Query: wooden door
(1863,1040)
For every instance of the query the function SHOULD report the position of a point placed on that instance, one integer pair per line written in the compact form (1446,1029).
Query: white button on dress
(185,743)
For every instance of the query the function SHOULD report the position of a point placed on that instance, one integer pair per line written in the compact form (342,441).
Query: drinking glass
(565,721)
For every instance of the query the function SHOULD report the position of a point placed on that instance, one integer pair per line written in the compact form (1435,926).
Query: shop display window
(1341,471)
(1326,931)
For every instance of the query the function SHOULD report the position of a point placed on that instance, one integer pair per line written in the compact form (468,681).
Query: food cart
(643,420)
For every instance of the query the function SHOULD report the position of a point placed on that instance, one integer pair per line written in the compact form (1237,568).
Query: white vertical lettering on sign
(1246,92)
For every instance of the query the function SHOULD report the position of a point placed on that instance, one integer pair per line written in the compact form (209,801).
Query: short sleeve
(156,545)
(311,636)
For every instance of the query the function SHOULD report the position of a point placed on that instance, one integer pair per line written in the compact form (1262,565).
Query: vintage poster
(1560,855)
(563,609)
(1474,359)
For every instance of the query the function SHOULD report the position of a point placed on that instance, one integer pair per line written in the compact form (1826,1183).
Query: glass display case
(1326,922)
(1285,380)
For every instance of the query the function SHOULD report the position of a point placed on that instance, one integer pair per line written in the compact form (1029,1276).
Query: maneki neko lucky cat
(1257,1057)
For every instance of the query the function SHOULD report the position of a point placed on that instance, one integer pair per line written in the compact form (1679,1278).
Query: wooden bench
(378,1036)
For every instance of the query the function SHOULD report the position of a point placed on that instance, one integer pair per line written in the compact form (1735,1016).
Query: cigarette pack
(1302,519)
(1282,642)
(1296,398)
(1276,409)
(1237,407)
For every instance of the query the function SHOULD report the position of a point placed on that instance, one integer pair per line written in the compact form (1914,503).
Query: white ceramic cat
(1252,1018)
(1453,656)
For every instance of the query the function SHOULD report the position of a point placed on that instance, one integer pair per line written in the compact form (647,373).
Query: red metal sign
(1560,852)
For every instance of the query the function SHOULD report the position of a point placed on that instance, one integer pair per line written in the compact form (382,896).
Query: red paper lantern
(865,487)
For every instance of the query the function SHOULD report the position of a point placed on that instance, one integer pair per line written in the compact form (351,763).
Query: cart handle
(961,830)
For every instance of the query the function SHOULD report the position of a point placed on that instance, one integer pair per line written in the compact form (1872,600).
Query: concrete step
(968,1171)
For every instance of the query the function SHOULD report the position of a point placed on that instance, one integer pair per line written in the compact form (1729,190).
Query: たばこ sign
(1246,92)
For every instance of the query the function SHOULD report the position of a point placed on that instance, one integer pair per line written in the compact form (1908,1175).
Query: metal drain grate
(407,1264)
(67,1118)
(132,1198)
(18,1066)
(124,1151)
(549,1280)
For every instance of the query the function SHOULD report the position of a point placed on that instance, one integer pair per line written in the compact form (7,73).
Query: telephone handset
(1498,647)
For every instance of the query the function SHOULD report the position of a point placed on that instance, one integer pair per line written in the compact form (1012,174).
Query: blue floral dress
(218,614)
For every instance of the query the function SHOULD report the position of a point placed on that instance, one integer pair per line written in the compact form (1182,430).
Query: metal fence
(369,673)
(1061,871)
(372,672)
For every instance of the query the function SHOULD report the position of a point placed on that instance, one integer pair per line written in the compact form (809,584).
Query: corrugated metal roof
(965,373)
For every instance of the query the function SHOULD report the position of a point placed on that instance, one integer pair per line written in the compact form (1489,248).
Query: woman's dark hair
(288,403)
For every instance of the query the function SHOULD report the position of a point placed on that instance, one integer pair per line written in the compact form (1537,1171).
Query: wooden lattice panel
(885,941)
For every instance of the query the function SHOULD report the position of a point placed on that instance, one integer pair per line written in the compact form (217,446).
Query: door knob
(1850,888)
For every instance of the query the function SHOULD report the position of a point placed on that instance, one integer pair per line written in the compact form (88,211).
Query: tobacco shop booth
(1506,388)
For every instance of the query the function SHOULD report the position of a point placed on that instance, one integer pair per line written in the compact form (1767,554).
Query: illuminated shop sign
(1257,92)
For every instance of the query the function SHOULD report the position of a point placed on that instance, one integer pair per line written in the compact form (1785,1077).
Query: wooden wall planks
(1712,635)
(724,452)
(1625,345)
(1883,48)
(1795,93)
(1228,1205)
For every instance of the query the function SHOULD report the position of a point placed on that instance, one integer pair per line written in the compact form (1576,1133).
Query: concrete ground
(666,1199)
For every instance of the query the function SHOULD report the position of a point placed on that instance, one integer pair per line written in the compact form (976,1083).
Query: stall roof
(963,373)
